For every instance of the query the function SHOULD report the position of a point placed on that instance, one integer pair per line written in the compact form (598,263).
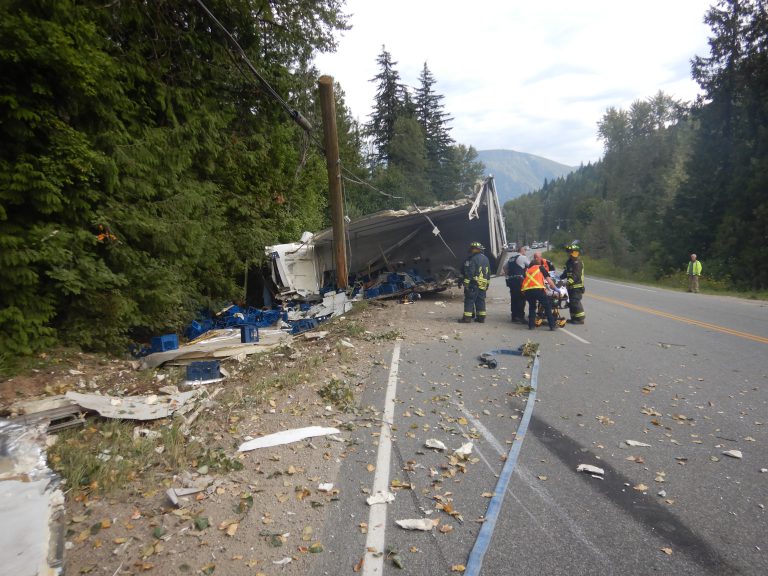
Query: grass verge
(675,281)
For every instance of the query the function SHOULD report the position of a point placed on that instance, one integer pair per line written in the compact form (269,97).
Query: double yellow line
(691,321)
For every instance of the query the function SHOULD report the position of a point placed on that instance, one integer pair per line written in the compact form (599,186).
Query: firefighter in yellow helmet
(574,273)
(475,277)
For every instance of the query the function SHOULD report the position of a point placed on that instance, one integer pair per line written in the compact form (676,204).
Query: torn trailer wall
(396,241)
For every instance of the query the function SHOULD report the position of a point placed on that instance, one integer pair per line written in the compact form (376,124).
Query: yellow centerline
(691,321)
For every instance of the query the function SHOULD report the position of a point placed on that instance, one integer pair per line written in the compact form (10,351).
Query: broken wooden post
(335,197)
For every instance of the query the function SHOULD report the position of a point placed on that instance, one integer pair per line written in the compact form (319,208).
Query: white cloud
(529,77)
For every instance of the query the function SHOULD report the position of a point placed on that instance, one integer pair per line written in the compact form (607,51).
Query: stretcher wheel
(561,322)
(538,322)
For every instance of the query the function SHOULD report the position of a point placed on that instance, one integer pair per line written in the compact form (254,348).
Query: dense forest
(675,177)
(143,166)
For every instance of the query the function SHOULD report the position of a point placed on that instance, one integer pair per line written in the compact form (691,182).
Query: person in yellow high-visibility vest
(694,271)
(536,276)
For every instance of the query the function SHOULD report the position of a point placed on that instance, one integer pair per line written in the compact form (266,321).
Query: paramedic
(536,277)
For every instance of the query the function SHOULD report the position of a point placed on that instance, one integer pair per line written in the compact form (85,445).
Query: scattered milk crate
(203,370)
(165,342)
(249,333)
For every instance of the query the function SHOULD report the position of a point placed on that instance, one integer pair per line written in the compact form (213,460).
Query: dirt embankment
(259,512)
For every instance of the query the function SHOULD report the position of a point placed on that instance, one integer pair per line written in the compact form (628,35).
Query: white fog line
(591,279)
(572,335)
(377,517)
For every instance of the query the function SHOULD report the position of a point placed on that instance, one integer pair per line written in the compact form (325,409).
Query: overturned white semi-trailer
(426,243)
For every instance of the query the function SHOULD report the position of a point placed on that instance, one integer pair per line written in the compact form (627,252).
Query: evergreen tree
(722,211)
(391,101)
(434,122)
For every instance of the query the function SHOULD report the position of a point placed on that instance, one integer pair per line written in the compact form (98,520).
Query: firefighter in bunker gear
(574,274)
(475,277)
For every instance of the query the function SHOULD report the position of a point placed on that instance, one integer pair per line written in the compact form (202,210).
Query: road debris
(175,493)
(593,471)
(636,444)
(434,443)
(463,451)
(32,504)
(380,498)
(149,407)
(286,437)
(734,454)
(424,524)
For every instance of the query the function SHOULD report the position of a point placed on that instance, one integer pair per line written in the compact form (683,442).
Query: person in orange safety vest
(536,278)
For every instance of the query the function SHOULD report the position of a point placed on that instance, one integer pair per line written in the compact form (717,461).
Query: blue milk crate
(303,325)
(165,342)
(203,370)
(249,333)
(387,289)
(372,292)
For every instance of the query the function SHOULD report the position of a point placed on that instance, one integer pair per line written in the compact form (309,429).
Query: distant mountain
(517,173)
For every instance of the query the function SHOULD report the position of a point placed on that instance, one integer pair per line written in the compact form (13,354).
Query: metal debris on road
(286,437)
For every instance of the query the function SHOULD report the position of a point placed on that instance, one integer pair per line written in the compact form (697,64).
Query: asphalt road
(685,373)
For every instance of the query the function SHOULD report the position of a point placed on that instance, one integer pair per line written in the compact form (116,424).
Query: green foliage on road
(676,178)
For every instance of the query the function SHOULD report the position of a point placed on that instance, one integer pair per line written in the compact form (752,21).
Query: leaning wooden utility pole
(331,143)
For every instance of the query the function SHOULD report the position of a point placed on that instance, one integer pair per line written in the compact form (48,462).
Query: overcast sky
(528,76)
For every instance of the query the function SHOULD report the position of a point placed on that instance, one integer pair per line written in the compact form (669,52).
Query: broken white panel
(26,512)
(223,343)
(136,407)
(30,504)
(332,305)
(296,266)
(286,437)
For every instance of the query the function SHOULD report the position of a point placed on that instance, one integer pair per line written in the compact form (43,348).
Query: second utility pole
(335,198)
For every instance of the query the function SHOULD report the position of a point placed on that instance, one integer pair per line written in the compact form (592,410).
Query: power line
(292,112)
(352,178)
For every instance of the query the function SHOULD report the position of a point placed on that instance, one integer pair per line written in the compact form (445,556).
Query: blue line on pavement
(483,540)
